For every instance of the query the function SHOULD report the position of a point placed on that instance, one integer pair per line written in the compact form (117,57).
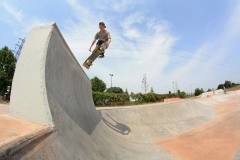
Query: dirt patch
(172,99)
(234,88)
(3,101)
(219,139)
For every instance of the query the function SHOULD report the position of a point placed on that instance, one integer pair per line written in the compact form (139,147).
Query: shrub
(114,90)
(109,99)
(182,95)
(198,91)
(149,97)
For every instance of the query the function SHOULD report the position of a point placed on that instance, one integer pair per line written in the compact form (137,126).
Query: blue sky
(188,42)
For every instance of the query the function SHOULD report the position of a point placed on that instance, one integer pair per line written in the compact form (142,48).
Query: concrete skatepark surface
(64,124)
(218,139)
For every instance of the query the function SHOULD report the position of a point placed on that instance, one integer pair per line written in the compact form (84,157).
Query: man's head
(102,26)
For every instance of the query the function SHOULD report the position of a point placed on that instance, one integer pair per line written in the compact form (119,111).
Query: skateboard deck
(95,53)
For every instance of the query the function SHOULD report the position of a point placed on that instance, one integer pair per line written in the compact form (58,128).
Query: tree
(145,84)
(98,85)
(209,90)
(151,90)
(114,90)
(7,68)
(126,96)
(220,86)
(126,91)
(228,84)
(198,91)
(178,92)
(169,92)
(132,95)
(182,94)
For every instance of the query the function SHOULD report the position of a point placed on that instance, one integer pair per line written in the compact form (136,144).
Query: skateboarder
(103,37)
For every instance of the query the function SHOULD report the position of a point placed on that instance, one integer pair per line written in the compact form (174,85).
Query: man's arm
(93,42)
(108,42)
(109,39)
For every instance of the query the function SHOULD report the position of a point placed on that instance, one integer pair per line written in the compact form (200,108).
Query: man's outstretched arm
(108,42)
(93,42)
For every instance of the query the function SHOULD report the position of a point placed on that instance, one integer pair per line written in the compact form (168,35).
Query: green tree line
(112,96)
(7,68)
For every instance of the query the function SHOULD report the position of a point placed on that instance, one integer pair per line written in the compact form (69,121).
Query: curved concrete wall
(50,88)
(28,95)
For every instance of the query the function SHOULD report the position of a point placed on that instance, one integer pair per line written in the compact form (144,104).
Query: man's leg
(103,47)
(93,56)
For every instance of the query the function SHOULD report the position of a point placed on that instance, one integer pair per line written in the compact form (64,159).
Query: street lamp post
(191,88)
(173,87)
(111,79)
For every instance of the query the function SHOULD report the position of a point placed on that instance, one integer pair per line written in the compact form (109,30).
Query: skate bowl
(52,107)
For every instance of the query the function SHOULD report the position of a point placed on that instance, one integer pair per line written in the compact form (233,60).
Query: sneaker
(102,51)
(101,55)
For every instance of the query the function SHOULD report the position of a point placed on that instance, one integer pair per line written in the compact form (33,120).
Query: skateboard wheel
(86,65)
(89,62)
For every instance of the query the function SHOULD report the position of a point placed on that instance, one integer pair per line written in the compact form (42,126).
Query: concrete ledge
(16,133)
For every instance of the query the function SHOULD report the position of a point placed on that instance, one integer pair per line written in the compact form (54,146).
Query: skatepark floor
(217,138)
(59,121)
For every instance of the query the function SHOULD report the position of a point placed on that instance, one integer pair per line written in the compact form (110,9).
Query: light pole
(191,88)
(111,79)
(176,87)
(173,87)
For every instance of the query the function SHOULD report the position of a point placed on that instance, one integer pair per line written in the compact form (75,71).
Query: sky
(183,44)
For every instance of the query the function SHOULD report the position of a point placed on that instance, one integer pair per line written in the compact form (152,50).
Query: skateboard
(95,53)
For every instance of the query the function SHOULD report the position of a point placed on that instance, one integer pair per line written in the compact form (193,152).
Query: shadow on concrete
(116,126)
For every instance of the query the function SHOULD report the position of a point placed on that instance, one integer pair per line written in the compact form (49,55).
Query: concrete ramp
(50,88)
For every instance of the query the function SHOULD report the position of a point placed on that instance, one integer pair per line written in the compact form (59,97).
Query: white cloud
(209,64)
(19,22)
(80,33)
(116,6)
(131,53)
(122,5)
(129,30)
(15,13)
(233,25)
(140,44)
